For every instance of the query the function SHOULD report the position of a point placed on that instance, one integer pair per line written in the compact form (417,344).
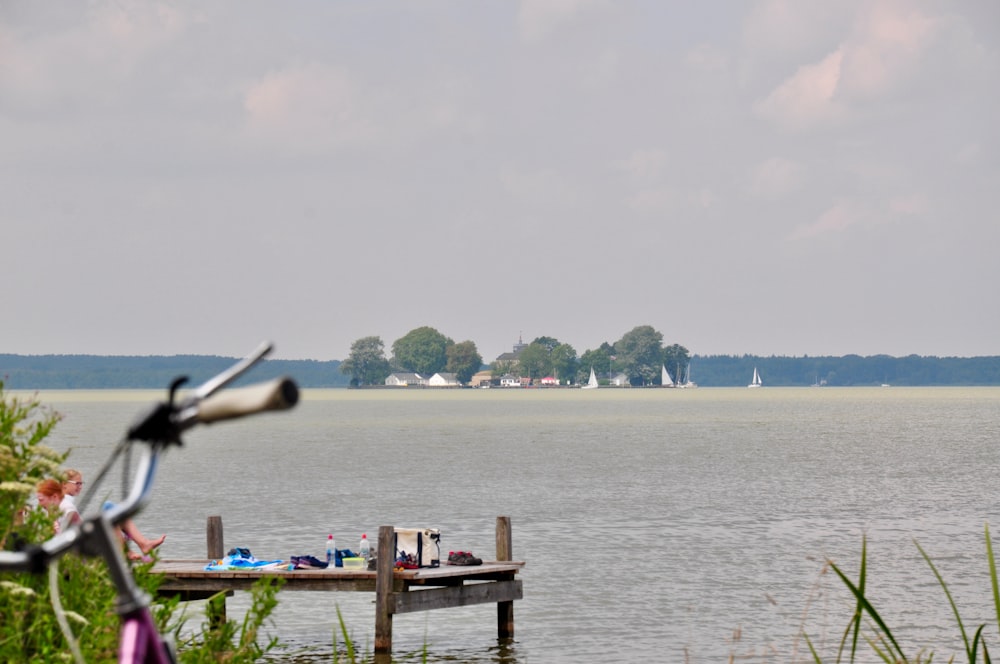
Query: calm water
(657,525)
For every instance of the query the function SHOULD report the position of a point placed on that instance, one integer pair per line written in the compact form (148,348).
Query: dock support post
(215,546)
(213,537)
(383,589)
(505,610)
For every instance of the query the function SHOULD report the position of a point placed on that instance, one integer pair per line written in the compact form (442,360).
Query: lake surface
(657,525)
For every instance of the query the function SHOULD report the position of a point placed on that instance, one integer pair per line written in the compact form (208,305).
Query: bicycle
(96,536)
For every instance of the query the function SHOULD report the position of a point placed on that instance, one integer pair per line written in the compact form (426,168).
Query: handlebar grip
(278,394)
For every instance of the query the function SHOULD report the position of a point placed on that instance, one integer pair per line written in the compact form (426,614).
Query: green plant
(24,461)
(880,637)
(227,641)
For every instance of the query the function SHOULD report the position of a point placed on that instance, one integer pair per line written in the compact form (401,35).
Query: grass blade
(993,574)
(862,579)
(954,608)
(867,607)
(812,649)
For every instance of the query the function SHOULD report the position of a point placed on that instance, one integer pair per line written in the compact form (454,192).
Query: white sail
(687,378)
(665,378)
(755,382)
(592,383)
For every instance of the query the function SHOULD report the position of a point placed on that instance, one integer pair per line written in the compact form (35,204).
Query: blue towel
(237,562)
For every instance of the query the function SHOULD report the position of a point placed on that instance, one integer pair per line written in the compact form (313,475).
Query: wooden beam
(444,598)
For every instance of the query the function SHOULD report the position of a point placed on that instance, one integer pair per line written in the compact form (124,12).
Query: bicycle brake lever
(157,425)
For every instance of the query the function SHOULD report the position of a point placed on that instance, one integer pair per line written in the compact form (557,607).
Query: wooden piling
(505,610)
(216,549)
(213,536)
(383,588)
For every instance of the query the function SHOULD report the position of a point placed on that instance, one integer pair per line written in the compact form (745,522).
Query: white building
(443,380)
(405,379)
(510,381)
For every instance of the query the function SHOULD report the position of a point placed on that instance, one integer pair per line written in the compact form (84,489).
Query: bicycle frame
(96,536)
(139,641)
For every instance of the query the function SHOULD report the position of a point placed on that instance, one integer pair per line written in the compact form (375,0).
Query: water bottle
(331,551)
(366,548)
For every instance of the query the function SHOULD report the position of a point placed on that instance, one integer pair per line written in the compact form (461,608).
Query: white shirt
(68,508)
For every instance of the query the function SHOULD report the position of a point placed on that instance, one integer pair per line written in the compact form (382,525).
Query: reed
(878,636)
(351,655)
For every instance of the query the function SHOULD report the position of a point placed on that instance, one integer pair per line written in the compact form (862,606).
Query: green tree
(599,359)
(366,365)
(564,362)
(547,342)
(422,350)
(503,367)
(640,353)
(464,360)
(535,361)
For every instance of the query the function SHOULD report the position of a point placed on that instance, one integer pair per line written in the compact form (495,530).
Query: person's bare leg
(144,543)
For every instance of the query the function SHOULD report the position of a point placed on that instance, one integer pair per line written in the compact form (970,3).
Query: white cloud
(597,72)
(84,60)
(704,198)
(774,178)
(653,200)
(792,27)
(847,214)
(309,105)
(706,58)
(838,218)
(881,51)
(885,48)
(543,187)
(537,18)
(808,97)
(643,164)
(908,205)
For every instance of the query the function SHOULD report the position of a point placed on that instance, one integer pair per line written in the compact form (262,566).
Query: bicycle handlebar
(278,394)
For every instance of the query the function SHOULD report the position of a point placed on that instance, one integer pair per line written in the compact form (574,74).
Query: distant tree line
(71,372)
(639,354)
(848,370)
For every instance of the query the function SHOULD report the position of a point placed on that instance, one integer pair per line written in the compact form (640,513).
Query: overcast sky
(771,178)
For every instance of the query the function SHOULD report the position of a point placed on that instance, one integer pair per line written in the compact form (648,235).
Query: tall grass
(867,625)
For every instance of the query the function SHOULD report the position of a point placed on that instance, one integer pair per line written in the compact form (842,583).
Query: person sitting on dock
(72,486)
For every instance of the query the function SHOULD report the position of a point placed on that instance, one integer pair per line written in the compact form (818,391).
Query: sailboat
(756,379)
(592,383)
(665,379)
(687,378)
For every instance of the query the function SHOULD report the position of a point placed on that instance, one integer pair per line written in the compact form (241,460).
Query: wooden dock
(396,591)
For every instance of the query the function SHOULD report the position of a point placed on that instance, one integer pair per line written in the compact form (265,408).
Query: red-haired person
(50,494)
